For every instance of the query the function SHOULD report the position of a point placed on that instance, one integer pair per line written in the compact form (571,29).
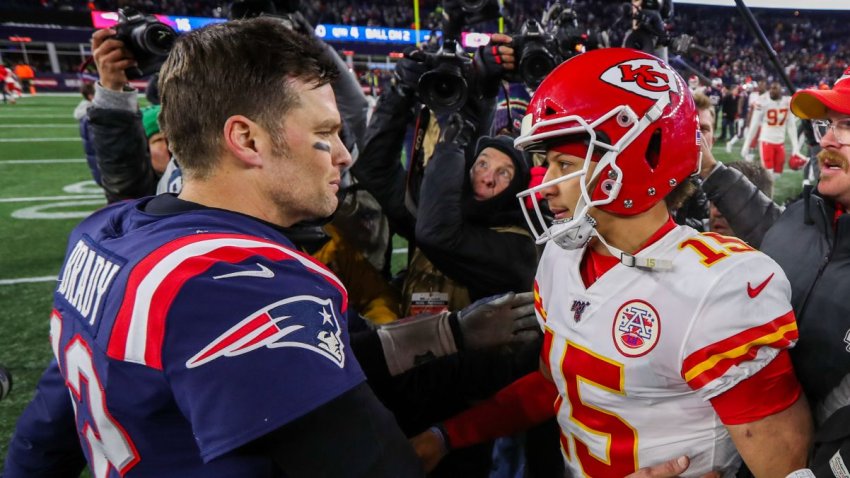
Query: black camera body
(444,87)
(147,38)
(536,51)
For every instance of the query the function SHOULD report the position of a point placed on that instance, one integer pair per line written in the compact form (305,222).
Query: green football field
(45,189)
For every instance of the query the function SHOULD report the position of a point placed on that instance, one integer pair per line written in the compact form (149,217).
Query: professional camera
(543,45)
(537,53)
(444,88)
(476,11)
(147,38)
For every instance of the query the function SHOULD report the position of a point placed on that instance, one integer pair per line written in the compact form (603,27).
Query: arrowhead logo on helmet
(647,78)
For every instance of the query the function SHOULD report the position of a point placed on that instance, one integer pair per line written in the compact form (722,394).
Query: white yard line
(44,125)
(51,198)
(37,140)
(41,161)
(400,251)
(11,115)
(25,280)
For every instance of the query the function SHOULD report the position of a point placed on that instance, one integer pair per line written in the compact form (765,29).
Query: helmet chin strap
(629,260)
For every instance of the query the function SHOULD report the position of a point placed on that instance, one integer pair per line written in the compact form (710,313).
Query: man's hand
(708,162)
(430,448)
(670,469)
(111,58)
(408,70)
(499,320)
(491,63)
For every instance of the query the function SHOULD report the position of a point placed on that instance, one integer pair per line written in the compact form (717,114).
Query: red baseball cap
(813,104)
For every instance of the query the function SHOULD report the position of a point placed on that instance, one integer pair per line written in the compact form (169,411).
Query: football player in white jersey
(771,119)
(661,341)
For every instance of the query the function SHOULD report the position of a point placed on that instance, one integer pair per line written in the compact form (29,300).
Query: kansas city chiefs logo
(645,77)
(303,321)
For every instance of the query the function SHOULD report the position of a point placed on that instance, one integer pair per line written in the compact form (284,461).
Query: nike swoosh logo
(754,291)
(263,273)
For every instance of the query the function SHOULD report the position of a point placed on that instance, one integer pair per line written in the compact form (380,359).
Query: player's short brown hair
(236,68)
(703,103)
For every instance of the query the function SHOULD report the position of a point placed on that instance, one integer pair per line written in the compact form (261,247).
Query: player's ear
(243,139)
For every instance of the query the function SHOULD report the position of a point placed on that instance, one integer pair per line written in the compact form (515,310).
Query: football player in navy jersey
(193,338)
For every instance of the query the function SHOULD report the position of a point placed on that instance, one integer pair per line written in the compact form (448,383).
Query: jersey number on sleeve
(581,365)
(711,255)
(109,445)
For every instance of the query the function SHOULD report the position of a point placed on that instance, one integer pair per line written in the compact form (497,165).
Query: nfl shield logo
(578,308)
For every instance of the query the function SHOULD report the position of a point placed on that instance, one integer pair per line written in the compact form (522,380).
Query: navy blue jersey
(182,337)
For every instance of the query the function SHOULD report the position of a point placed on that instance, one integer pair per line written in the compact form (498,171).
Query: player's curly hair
(240,67)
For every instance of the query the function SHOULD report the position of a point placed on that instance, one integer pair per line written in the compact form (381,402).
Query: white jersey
(638,354)
(754,99)
(774,117)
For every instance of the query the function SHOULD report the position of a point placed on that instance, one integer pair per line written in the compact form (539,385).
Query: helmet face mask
(641,130)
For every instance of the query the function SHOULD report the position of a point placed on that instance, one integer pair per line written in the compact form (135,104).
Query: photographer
(648,30)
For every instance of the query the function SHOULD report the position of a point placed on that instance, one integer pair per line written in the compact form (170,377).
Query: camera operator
(648,30)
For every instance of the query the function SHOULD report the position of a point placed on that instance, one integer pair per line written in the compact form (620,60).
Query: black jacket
(378,168)
(749,212)
(816,260)
(122,154)
(464,238)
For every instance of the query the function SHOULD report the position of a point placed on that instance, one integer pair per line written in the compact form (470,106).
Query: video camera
(444,87)
(147,38)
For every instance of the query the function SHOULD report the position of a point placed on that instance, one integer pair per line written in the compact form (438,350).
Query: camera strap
(416,163)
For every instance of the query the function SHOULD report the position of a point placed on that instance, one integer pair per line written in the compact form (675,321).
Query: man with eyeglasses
(810,240)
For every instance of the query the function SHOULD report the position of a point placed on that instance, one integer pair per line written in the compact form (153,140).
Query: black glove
(459,129)
(489,69)
(408,71)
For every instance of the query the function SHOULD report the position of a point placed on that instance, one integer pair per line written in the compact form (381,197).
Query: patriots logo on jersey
(303,321)
(637,328)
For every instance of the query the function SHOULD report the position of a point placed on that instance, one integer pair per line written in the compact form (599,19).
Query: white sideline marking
(14,116)
(41,161)
(46,125)
(24,280)
(37,140)
(400,251)
(50,198)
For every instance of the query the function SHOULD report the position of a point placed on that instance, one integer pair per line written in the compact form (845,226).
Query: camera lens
(443,89)
(471,6)
(155,38)
(536,63)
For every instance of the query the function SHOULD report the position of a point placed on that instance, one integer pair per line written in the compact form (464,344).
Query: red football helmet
(639,117)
